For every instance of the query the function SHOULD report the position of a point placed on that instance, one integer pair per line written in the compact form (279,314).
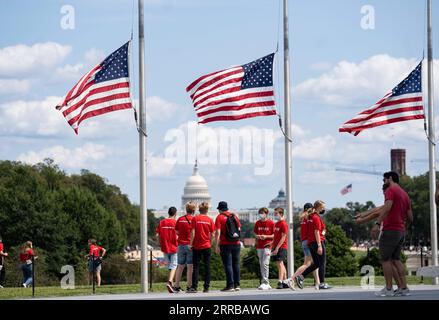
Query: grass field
(26,293)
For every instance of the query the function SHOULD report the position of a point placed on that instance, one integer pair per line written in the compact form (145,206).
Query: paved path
(418,292)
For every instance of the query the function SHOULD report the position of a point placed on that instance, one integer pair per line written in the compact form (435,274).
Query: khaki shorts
(390,245)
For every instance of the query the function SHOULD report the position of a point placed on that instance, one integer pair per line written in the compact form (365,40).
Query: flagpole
(288,149)
(142,158)
(431,143)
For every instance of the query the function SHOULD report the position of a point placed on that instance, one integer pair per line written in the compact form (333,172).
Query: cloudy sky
(345,55)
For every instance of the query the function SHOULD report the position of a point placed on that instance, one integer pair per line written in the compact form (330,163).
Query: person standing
(393,214)
(3,255)
(26,257)
(168,244)
(264,231)
(316,244)
(95,260)
(280,245)
(202,234)
(228,228)
(305,223)
(184,255)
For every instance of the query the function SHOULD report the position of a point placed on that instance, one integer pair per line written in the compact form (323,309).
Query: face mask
(322,212)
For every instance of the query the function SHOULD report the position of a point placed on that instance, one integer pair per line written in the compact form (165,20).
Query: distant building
(279,201)
(195,190)
(397,161)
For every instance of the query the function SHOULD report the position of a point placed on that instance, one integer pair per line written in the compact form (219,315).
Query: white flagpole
(431,143)
(288,149)
(142,158)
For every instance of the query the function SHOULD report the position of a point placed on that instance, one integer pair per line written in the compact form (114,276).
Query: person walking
(27,256)
(168,244)
(304,226)
(184,255)
(316,244)
(228,228)
(394,215)
(94,257)
(264,231)
(280,245)
(202,233)
(3,255)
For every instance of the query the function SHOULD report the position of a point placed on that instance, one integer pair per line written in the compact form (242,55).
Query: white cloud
(350,83)
(86,156)
(159,166)
(69,72)
(94,56)
(320,66)
(13,86)
(23,59)
(320,147)
(158,109)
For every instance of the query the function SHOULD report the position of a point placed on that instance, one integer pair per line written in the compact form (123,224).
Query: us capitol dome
(195,190)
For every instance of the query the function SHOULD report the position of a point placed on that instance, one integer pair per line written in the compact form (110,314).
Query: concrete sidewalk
(418,292)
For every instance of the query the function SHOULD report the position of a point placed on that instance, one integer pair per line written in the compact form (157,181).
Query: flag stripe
(232,83)
(247,101)
(200,81)
(239,117)
(237,107)
(217,82)
(109,108)
(389,111)
(250,110)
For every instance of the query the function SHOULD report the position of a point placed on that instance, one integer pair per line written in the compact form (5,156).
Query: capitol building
(197,191)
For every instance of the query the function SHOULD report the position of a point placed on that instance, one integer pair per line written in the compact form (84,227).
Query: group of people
(27,257)
(187,242)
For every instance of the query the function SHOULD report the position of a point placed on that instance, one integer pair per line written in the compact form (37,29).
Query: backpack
(232,231)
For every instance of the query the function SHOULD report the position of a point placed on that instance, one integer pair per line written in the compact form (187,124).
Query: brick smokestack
(397,161)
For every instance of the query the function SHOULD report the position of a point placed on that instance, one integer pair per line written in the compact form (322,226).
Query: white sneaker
(264,286)
(291,284)
(401,292)
(384,292)
(317,287)
(1,287)
(24,285)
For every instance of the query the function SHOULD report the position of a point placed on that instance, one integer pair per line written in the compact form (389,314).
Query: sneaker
(264,286)
(317,287)
(299,281)
(228,289)
(206,290)
(1,287)
(177,289)
(170,287)
(285,284)
(24,285)
(290,284)
(401,292)
(237,288)
(324,286)
(191,290)
(384,292)
(279,285)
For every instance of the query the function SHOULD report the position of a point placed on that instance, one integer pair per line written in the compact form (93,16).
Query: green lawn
(26,293)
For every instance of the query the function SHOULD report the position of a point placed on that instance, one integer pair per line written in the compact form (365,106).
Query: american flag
(403,103)
(236,93)
(346,189)
(105,88)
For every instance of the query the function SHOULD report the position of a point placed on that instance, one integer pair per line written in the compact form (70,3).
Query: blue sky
(337,69)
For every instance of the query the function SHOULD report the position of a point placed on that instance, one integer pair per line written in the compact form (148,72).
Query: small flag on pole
(403,103)
(346,189)
(105,88)
(236,93)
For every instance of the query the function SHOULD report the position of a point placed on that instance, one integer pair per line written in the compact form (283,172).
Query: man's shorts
(184,255)
(171,260)
(390,245)
(98,266)
(281,254)
(305,248)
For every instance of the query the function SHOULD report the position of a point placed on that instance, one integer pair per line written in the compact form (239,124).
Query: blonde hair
(318,204)
(306,213)
(190,207)
(203,207)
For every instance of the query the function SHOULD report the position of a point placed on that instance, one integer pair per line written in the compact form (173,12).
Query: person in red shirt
(26,257)
(280,247)
(184,255)
(95,260)
(264,231)
(228,249)
(304,226)
(3,254)
(393,215)
(202,233)
(168,244)
(316,243)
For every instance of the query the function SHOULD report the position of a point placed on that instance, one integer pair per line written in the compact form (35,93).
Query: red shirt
(168,237)
(26,256)
(304,229)
(315,223)
(264,228)
(395,220)
(279,228)
(1,257)
(220,223)
(183,228)
(204,227)
(95,250)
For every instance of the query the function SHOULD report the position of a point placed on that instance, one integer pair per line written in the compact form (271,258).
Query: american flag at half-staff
(346,189)
(236,93)
(105,88)
(403,103)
